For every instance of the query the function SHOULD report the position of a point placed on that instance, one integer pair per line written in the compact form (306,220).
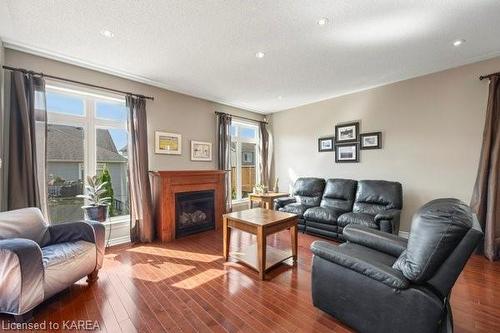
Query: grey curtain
(141,204)
(224,153)
(486,195)
(26,140)
(265,152)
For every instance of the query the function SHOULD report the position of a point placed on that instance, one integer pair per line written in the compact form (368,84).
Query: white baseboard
(119,240)
(120,233)
(404,234)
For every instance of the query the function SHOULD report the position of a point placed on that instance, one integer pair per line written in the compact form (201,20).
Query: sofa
(325,208)
(38,260)
(379,282)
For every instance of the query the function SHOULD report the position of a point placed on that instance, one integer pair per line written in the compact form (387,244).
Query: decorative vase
(96,213)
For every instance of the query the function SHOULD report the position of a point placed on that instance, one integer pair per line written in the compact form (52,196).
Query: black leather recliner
(307,193)
(338,199)
(378,205)
(378,282)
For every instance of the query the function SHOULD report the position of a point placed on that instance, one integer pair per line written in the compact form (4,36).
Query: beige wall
(432,130)
(189,116)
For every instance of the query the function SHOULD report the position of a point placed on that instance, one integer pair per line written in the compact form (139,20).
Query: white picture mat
(159,136)
(201,151)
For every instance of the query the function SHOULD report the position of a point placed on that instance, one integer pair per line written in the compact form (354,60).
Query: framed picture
(347,153)
(168,143)
(346,133)
(201,151)
(371,140)
(325,144)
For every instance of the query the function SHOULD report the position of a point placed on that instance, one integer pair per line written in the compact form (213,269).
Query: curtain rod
(241,117)
(75,82)
(482,77)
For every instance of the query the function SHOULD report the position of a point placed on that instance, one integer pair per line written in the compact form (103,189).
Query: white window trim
(87,121)
(239,141)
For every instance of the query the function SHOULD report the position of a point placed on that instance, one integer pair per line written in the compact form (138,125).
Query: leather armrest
(90,231)
(388,220)
(375,239)
(376,271)
(71,232)
(282,202)
(21,272)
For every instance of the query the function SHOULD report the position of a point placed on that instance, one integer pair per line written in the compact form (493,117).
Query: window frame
(238,141)
(89,122)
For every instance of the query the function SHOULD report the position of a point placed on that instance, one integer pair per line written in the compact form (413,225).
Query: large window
(244,144)
(86,135)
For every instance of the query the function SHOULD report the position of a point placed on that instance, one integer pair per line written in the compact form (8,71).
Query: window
(86,135)
(244,144)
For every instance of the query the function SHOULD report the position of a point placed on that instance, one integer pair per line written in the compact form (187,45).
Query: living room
(228,166)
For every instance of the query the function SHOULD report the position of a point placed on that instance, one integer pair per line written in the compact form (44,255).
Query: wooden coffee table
(260,222)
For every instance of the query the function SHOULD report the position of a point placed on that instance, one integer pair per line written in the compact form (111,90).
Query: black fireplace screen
(194,212)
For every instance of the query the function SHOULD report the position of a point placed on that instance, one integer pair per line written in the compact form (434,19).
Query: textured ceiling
(207,48)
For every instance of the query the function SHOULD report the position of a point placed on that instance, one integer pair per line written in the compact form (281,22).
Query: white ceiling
(207,48)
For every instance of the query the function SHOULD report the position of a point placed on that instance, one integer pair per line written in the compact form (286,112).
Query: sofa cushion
(308,191)
(66,263)
(339,194)
(356,218)
(323,215)
(27,223)
(295,208)
(375,196)
(436,230)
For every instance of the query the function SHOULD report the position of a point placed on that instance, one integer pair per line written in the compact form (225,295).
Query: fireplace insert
(194,212)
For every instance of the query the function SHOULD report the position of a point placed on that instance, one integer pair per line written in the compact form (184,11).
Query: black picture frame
(332,139)
(363,136)
(338,153)
(338,134)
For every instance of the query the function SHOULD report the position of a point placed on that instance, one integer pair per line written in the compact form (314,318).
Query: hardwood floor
(185,286)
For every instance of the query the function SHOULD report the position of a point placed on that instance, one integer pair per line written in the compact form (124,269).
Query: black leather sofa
(307,193)
(378,282)
(326,208)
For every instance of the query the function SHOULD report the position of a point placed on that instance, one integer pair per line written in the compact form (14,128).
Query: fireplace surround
(167,184)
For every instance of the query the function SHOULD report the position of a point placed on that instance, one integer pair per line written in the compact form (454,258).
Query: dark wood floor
(185,286)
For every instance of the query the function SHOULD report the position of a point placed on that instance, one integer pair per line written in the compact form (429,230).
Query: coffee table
(261,222)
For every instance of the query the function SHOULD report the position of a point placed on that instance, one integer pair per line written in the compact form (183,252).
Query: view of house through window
(86,135)
(244,143)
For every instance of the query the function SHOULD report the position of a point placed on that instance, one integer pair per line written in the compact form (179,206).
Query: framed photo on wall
(371,140)
(201,151)
(168,143)
(346,133)
(326,144)
(348,153)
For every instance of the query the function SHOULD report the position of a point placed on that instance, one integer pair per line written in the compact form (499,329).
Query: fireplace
(167,184)
(194,212)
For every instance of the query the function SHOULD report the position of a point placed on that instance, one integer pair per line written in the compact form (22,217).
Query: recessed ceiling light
(322,21)
(458,42)
(260,55)
(107,33)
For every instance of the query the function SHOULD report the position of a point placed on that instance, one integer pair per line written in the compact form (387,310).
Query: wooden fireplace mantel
(165,184)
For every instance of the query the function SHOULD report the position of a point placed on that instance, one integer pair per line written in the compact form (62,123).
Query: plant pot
(96,213)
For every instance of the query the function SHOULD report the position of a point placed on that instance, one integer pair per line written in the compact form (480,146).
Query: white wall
(432,132)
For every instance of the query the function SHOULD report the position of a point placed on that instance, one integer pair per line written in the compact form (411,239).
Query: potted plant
(97,204)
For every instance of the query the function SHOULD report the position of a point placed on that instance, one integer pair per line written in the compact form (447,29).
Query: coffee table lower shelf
(274,256)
